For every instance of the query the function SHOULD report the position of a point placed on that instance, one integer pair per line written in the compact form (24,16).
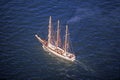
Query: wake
(87,68)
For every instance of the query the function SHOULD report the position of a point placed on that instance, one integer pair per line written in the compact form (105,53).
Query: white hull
(55,53)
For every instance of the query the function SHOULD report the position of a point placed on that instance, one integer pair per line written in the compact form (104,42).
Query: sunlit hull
(52,49)
(57,54)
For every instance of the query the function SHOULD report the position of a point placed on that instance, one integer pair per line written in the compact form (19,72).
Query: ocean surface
(94,27)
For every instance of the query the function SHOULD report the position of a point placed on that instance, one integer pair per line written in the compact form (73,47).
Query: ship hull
(55,53)
(51,48)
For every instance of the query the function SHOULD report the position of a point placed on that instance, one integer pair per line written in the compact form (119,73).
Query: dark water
(94,27)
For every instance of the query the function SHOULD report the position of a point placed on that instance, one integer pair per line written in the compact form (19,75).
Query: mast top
(50,19)
(66,26)
(58,22)
(67,29)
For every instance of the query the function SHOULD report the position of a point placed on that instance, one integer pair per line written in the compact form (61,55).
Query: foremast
(49,31)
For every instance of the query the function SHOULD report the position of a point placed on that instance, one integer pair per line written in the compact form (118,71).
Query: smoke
(82,13)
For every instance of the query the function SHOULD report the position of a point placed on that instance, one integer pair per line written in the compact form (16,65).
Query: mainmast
(66,40)
(49,31)
(58,35)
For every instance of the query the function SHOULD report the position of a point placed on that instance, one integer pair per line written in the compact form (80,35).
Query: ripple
(94,28)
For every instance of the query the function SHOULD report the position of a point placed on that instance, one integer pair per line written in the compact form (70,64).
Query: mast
(58,35)
(66,40)
(49,31)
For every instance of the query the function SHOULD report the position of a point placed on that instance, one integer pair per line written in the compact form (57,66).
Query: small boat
(53,45)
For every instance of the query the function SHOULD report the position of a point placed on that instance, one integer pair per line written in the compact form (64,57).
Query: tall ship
(54,44)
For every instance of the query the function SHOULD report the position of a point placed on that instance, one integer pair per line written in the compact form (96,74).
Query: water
(95,34)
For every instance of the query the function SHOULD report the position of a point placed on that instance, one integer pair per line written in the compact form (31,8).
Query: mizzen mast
(66,40)
(49,31)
